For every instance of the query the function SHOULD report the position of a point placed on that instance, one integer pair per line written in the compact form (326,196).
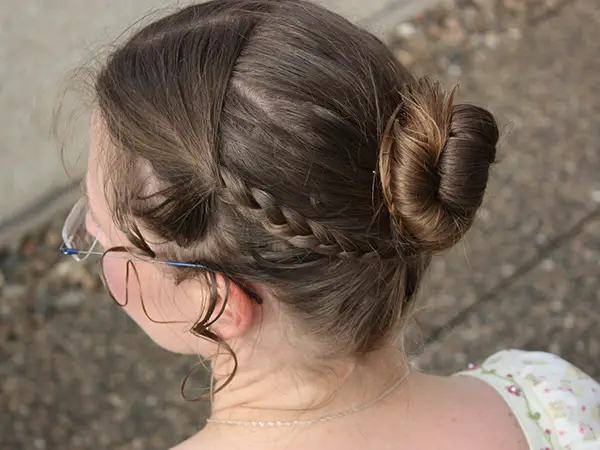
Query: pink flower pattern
(514,390)
(568,397)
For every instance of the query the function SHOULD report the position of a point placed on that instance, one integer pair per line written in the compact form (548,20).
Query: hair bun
(434,164)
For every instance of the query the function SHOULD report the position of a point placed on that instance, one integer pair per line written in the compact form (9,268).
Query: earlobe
(238,310)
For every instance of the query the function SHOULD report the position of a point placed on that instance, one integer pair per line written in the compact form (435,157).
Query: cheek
(151,299)
(132,282)
(115,270)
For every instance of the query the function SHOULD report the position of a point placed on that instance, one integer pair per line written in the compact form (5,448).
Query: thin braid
(294,228)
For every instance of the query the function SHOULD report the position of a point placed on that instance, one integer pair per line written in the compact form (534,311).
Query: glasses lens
(75,234)
(120,275)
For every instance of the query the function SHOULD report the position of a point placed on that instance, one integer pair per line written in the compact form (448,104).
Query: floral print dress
(556,404)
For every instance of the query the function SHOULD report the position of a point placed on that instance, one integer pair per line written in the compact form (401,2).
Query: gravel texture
(552,307)
(442,39)
(547,178)
(76,373)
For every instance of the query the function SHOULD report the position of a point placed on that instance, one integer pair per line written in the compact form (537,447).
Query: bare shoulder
(470,415)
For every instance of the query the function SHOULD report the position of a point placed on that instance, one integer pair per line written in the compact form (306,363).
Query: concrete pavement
(39,43)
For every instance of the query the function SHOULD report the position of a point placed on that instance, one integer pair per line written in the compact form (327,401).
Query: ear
(238,313)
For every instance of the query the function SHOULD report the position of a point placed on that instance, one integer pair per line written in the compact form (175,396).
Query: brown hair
(290,149)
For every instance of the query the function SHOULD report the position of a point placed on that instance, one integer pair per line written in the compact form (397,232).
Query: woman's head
(287,149)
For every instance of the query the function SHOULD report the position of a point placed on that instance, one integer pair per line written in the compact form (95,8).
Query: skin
(276,380)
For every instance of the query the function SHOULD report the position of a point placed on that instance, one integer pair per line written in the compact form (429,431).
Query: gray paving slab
(40,42)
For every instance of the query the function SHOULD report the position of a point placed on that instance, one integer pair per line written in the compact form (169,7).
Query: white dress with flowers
(557,405)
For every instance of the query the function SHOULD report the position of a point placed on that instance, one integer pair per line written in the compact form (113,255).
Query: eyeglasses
(80,244)
(77,242)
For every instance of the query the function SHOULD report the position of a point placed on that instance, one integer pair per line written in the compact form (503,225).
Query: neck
(286,392)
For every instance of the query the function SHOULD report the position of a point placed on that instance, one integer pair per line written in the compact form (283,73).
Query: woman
(269,185)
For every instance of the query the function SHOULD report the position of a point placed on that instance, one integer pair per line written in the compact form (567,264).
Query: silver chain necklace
(291,423)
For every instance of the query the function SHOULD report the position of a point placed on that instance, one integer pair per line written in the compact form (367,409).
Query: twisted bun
(434,163)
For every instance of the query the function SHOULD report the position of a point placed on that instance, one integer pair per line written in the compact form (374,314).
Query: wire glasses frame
(80,245)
